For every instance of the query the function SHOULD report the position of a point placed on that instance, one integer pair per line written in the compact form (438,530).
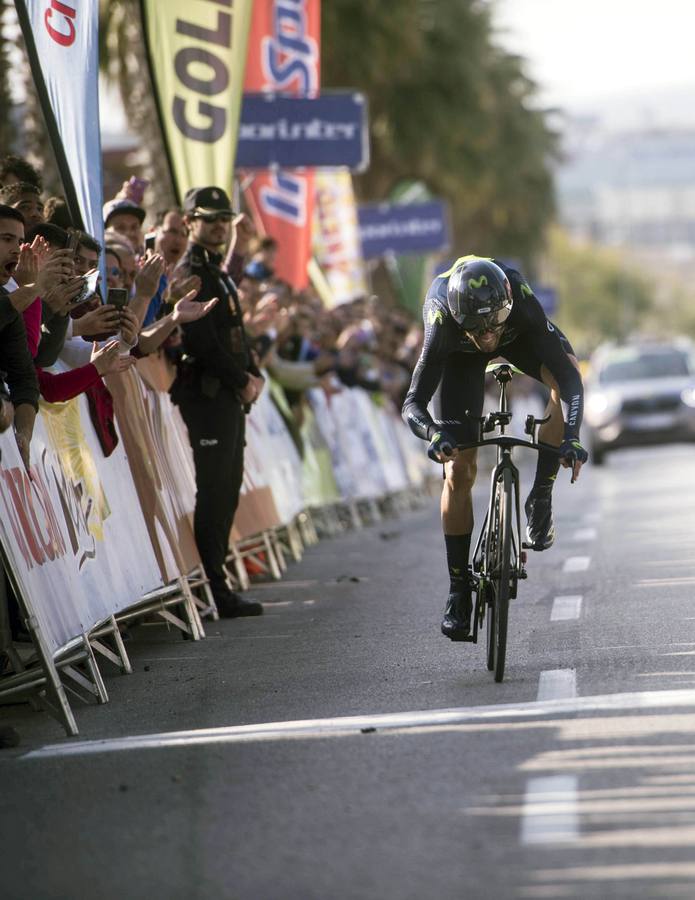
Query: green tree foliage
(601,295)
(451,108)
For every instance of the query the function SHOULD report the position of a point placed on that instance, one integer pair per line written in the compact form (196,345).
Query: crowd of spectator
(197,284)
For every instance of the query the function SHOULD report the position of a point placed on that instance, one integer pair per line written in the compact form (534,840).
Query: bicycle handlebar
(505,440)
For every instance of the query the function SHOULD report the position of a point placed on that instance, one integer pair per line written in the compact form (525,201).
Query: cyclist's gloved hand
(572,455)
(441,443)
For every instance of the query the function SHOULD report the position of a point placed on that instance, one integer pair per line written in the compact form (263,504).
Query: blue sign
(292,132)
(403,228)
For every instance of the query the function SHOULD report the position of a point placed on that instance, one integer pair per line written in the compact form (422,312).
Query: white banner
(74,532)
(62,40)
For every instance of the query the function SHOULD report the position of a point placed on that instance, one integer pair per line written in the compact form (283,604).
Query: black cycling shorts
(462,388)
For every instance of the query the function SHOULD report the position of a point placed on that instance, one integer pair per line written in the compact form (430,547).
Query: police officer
(217,382)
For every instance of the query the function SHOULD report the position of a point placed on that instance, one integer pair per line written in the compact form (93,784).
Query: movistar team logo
(435,315)
(478,282)
(525,289)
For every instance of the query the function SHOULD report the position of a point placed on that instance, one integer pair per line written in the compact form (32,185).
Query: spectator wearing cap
(126,217)
(216,383)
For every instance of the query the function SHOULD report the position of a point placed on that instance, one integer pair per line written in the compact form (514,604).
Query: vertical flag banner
(284,57)
(337,243)
(197,53)
(62,40)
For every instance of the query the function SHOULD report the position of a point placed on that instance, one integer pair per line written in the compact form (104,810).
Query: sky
(583,50)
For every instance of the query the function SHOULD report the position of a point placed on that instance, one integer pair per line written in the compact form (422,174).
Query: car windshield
(632,365)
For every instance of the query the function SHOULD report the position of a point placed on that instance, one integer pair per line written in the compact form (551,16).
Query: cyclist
(481,309)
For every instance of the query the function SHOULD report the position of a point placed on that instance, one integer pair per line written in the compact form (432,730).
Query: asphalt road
(340,747)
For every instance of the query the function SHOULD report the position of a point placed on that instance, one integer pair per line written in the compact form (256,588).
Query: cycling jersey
(451,368)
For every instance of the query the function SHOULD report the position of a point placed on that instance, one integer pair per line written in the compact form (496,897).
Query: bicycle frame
(499,421)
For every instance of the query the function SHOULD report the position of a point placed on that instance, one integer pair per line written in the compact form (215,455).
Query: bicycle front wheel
(501,570)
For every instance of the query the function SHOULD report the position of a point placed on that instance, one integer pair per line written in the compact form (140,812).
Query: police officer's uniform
(215,367)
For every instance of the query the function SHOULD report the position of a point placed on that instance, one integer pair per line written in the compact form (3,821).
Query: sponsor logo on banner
(62,41)
(196,52)
(283,57)
(330,130)
(403,228)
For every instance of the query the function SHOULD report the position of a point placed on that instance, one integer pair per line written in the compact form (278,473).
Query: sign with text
(197,53)
(329,130)
(62,41)
(403,228)
(284,58)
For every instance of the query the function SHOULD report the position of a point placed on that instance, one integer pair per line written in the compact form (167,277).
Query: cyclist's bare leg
(457,503)
(540,532)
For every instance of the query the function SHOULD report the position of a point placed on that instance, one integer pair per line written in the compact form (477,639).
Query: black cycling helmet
(479,295)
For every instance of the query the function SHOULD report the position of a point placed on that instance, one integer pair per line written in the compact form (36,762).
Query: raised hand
(147,279)
(179,287)
(105,319)
(189,310)
(107,359)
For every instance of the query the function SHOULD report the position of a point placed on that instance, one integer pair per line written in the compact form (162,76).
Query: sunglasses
(211,218)
(114,272)
(482,324)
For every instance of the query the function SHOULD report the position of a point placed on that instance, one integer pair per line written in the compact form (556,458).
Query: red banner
(284,56)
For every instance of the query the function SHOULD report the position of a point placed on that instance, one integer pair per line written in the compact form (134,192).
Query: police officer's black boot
(456,624)
(231,605)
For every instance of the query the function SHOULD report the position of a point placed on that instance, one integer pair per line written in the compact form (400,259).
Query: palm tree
(123,59)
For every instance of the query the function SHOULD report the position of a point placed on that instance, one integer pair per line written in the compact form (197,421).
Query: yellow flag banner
(197,56)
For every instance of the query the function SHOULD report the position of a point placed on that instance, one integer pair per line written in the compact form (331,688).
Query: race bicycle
(499,557)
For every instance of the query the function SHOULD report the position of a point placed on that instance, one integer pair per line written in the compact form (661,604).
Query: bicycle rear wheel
(501,571)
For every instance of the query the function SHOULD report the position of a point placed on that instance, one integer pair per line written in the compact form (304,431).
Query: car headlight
(688,396)
(601,407)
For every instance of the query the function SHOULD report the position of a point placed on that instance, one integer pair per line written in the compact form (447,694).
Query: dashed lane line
(577,564)
(550,814)
(566,608)
(584,534)
(557,684)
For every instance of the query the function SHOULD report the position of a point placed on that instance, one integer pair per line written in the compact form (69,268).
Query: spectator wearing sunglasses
(217,381)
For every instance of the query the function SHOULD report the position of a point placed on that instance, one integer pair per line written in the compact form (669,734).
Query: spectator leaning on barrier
(217,379)
(15,359)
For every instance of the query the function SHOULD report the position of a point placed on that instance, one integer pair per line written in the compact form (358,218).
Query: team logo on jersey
(550,327)
(478,282)
(526,290)
(435,315)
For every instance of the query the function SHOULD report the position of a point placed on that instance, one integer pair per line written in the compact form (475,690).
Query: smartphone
(149,240)
(89,289)
(73,242)
(117,297)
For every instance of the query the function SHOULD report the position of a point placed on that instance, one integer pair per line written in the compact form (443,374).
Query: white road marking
(352,725)
(566,608)
(584,534)
(550,810)
(664,582)
(577,564)
(271,604)
(557,684)
(277,585)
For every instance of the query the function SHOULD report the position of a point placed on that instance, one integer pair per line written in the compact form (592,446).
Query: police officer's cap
(207,201)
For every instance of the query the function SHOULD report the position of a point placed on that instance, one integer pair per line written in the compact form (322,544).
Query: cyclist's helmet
(479,295)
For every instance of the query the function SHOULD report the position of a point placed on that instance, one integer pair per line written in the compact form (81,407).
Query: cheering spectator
(26,198)
(14,169)
(15,359)
(125,217)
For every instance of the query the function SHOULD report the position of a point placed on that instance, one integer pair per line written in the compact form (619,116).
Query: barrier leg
(87,682)
(116,654)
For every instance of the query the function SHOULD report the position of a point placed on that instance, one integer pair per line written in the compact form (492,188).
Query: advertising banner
(62,40)
(403,228)
(337,246)
(329,130)
(197,52)
(73,532)
(283,58)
